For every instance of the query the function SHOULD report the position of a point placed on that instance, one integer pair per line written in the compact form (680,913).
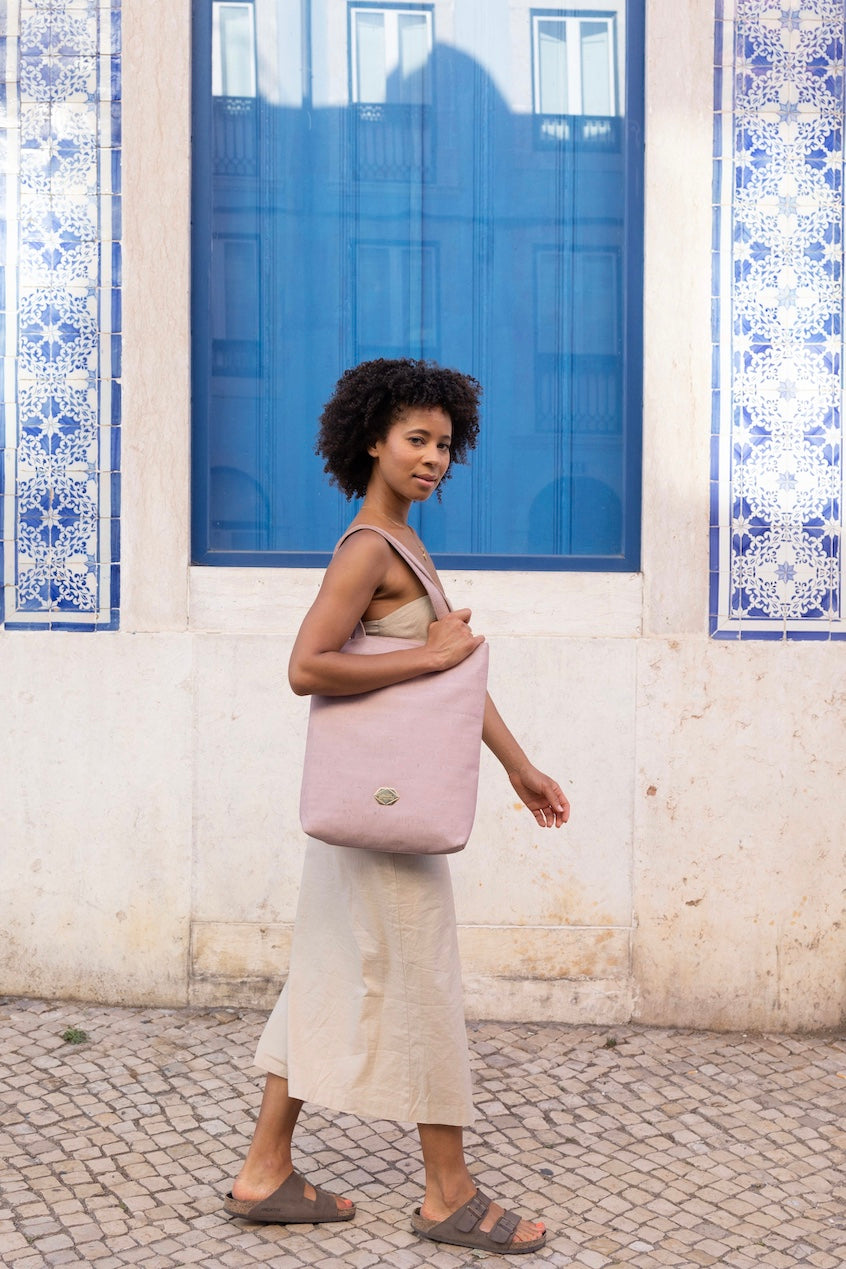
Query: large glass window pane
(414,50)
(457,180)
(552,67)
(233,50)
(596,69)
(370,56)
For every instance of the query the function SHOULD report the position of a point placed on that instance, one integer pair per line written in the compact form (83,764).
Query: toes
(527,1231)
(343,1203)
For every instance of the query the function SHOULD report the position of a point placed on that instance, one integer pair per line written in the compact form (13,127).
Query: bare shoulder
(364,549)
(362,560)
(364,537)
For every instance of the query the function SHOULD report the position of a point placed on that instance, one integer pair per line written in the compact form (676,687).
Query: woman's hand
(539,792)
(541,795)
(451,640)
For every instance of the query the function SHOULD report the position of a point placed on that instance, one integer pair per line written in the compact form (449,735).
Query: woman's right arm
(317,664)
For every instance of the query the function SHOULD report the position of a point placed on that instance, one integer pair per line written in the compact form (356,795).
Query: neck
(397,516)
(396,522)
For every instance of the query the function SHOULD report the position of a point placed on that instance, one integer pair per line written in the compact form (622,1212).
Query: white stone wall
(151,848)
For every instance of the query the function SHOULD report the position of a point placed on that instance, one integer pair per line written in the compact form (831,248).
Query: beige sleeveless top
(410,621)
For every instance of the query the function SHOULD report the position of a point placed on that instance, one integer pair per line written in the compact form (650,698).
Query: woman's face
(413,458)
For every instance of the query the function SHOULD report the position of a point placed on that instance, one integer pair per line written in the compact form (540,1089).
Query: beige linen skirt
(371,1019)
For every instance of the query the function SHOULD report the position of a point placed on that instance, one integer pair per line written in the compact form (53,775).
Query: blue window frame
(460,181)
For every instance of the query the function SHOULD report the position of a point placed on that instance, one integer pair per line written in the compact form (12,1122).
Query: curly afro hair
(370,397)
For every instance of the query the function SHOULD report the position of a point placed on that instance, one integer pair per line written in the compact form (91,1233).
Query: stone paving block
(95,1253)
(11,1243)
(592,1259)
(658,1151)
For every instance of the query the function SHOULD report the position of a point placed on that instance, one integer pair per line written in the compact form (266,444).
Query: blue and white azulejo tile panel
(777,468)
(60,297)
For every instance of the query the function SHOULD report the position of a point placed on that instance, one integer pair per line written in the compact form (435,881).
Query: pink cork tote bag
(397,769)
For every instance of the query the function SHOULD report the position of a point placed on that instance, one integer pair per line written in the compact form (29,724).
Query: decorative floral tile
(59,79)
(50,34)
(778,382)
(58,242)
(60,257)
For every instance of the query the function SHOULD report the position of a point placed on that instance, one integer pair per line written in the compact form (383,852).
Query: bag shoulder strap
(440,603)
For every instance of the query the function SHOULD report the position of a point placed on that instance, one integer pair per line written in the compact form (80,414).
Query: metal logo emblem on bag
(386,797)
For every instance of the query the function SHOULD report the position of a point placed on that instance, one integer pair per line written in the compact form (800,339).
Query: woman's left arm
(539,792)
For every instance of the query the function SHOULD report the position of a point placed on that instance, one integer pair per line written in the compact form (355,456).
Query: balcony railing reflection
(240,358)
(584,391)
(391,142)
(235,136)
(583,132)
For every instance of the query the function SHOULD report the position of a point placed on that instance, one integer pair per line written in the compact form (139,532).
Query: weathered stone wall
(151,849)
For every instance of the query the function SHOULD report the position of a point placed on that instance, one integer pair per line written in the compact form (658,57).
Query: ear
(372,451)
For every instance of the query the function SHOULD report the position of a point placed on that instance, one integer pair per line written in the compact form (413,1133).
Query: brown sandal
(461,1229)
(288,1205)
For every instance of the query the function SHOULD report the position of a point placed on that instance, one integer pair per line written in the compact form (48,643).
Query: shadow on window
(442,222)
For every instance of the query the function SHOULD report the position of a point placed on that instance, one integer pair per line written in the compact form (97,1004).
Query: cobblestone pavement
(638,1146)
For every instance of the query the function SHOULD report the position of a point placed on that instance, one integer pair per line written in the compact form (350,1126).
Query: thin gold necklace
(400,525)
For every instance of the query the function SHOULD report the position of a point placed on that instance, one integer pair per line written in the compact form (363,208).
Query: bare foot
(526,1231)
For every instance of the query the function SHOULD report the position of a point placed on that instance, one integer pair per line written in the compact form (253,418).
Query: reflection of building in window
(390,55)
(234,114)
(233,49)
(574,64)
(235,306)
(396,300)
(578,299)
(390,84)
(422,180)
(239,511)
(578,355)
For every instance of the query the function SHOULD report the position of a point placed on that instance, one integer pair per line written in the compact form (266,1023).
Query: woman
(371,1018)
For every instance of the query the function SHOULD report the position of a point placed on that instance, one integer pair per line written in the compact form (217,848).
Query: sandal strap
(289,1202)
(505,1228)
(475,1211)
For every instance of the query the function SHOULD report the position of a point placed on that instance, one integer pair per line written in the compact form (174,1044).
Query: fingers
(555,811)
(549,818)
(457,625)
(560,806)
(464,614)
(452,640)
